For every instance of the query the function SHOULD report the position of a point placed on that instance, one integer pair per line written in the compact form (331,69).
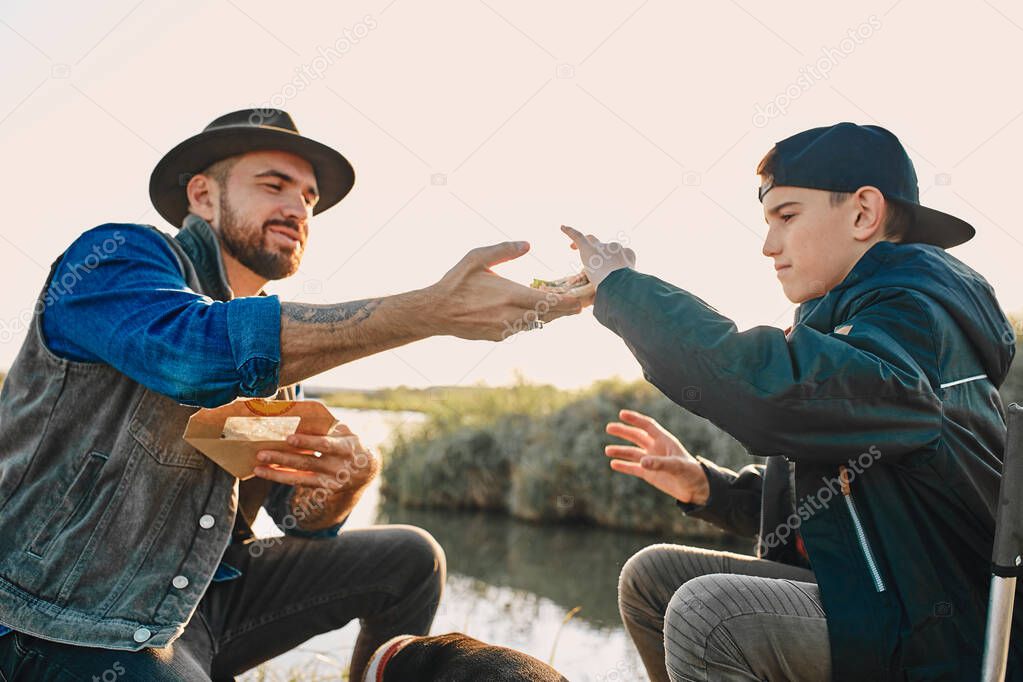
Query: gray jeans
(291,589)
(697,614)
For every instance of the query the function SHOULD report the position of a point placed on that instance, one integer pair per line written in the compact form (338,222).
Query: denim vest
(111,525)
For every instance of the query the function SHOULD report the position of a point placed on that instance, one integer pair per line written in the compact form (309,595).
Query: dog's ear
(455,657)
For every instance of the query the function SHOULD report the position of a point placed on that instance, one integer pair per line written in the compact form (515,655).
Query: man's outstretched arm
(315,338)
(470,302)
(133,310)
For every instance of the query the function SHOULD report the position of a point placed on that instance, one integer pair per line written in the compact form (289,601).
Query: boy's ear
(868,202)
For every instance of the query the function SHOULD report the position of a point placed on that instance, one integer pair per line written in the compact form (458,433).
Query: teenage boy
(881,402)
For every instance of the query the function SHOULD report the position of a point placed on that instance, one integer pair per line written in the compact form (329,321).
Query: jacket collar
(202,245)
(818,312)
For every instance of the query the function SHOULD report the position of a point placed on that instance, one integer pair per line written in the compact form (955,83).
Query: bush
(544,464)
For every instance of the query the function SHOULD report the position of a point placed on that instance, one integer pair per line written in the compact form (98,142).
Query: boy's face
(813,243)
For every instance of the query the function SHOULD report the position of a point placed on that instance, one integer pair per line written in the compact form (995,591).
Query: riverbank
(536,453)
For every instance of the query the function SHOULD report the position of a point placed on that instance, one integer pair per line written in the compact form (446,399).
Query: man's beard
(248,244)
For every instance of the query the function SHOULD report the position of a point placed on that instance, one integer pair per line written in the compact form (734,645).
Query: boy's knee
(706,619)
(693,602)
(650,577)
(633,581)
(711,599)
(644,586)
(689,622)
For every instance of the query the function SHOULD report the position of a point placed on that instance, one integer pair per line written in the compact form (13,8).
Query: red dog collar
(384,653)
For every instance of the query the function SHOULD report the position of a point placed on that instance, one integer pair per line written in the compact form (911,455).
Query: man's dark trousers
(291,589)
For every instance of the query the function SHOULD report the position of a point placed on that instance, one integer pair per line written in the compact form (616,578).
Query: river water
(509,583)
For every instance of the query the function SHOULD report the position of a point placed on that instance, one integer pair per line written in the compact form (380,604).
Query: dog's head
(454,658)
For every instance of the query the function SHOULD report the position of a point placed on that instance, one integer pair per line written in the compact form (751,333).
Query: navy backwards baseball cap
(845,157)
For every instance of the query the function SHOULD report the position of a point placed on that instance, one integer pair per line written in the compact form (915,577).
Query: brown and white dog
(454,658)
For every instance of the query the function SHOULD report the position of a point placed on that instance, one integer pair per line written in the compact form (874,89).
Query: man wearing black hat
(124,551)
(879,415)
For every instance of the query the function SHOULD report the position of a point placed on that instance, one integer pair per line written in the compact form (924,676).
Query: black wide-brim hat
(845,157)
(236,133)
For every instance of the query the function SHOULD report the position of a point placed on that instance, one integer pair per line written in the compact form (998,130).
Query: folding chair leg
(999,624)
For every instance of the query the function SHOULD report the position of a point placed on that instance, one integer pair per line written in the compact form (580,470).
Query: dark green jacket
(905,399)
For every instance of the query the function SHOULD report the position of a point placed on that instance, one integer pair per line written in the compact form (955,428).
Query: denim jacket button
(141,635)
(180,582)
(206,521)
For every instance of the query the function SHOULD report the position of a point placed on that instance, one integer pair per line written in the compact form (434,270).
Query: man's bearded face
(258,247)
(266,200)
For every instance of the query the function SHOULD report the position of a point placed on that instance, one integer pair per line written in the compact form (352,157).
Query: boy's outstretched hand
(657,457)
(600,259)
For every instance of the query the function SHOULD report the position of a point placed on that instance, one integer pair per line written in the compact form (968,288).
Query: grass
(451,406)
(311,671)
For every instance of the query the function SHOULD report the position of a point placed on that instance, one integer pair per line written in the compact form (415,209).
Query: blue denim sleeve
(118,296)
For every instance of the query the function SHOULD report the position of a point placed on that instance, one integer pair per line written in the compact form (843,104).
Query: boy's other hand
(599,259)
(657,457)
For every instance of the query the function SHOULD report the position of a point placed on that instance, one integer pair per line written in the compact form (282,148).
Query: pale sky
(474,121)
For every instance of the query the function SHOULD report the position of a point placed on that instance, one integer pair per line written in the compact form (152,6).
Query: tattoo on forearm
(354,312)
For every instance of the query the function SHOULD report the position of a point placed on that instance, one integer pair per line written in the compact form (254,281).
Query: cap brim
(934,227)
(334,174)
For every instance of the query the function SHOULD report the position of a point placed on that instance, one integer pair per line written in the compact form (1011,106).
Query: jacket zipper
(861,535)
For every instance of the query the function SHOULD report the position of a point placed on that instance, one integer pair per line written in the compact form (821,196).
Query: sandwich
(573,284)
